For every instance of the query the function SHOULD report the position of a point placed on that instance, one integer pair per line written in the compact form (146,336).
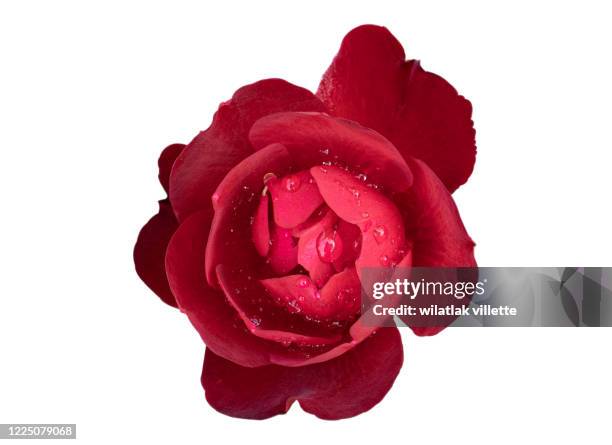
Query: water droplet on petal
(365,215)
(302,282)
(324,151)
(384,260)
(292,183)
(256,321)
(380,234)
(329,246)
(362,177)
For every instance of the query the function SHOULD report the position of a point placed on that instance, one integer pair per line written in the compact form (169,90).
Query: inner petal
(308,254)
(380,222)
(294,198)
(338,300)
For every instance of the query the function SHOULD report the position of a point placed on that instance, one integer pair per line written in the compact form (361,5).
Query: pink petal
(378,219)
(370,82)
(308,255)
(339,300)
(294,198)
(344,387)
(214,152)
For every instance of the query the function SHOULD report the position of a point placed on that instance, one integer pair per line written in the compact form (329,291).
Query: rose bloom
(275,209)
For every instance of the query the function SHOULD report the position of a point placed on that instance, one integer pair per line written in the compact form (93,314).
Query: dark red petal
(351,239)
(261,227)
(434,224)
(207,159)
(294,198)
(378,219)
(235,203)
(283,252)
(166,161)
(344,387)
(314,138)
(370,82)
(207,309)
(150,251)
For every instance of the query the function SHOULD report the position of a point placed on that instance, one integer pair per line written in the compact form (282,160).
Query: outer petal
(150,251)
(208,158)
(150,248)
(434,224)
(344,387)
(313,138)
(370,82)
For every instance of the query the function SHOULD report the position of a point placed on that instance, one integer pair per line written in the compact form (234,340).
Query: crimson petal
(344,387)
(370,81)
(235,203)
(434,224)
(294,198)
(150,248)
(214,152)
(260,230)
(283,251)
(313,138)
(150,251)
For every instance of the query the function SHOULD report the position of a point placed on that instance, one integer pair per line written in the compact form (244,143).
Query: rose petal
(378,219)
(338,300)
(294,198)
(281,323)
(261,227)
(150,251)
(313,138)
(283,252)
(434,224)
(235,204)
(370,82)
(344,387)
(351,239)
(150,248)
(166,161)
(207,309)
(214,152)
(308,255)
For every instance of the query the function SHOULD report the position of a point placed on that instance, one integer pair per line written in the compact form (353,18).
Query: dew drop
(302,282)
(256,321)
(324,151)
(362,177)
(384,260)
(329,246)
(380,234)
(292,183)
(365,215)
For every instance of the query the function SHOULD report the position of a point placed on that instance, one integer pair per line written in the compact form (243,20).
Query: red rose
(276,207)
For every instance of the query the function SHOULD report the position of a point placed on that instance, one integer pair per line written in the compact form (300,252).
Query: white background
(90,92)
